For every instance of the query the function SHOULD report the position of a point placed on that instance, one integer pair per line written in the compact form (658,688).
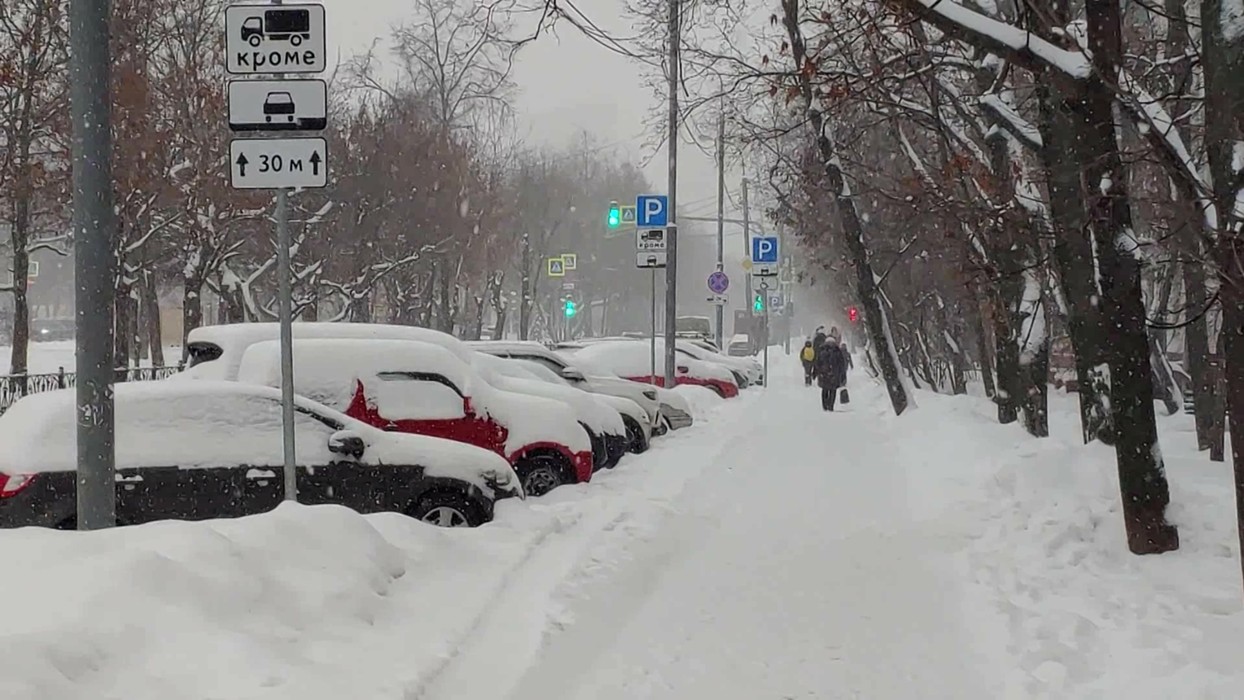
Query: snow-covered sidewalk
(770,551)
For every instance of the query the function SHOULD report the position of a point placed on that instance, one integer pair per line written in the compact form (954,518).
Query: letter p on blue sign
(765,249)
(652,211)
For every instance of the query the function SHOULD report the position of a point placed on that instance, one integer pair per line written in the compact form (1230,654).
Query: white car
(597,382)
(197,450)
(632,360)
(675,409)
(639,432)
(746,369)
(603,423)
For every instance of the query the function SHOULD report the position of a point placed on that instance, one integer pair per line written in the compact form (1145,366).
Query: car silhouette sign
(278,105)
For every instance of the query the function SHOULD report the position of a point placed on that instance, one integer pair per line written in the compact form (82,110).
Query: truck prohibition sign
(274,39)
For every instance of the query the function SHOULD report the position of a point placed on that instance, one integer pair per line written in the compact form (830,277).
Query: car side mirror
(347,442)
(572,374)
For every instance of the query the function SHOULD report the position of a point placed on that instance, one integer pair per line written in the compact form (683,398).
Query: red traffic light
(853,314)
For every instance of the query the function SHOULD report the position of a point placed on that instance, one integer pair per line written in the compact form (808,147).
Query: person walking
(808,357)
(831,368)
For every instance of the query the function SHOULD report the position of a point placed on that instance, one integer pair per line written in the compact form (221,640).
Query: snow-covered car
(675,409)
(746,369)
(424,388)
(603,423)
(198,450)
(632,360)
(638,431)
(596,382)
(740,346)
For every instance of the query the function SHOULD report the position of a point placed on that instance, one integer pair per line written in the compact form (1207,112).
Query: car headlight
(650,394)
(500,478)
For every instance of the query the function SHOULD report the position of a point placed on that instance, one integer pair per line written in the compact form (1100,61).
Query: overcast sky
(567,84)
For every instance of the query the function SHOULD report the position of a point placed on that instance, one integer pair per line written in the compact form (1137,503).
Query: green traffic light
(615,215)
(570,308)
(759,304)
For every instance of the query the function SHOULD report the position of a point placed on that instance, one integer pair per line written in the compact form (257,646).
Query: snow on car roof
(513,376)
(207,423)
(631,359)
(234,338)
(327,369)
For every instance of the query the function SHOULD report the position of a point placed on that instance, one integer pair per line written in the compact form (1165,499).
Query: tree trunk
(1006,325)
(527,292)
(1073,251)
(191,309)
(982,347)
(153,331)
(1142,475)
(1034,380)
(1196,351)
(19,359)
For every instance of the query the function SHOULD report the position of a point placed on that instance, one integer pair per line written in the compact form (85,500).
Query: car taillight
(13,484)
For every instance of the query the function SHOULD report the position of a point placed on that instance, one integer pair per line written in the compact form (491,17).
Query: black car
(193,450)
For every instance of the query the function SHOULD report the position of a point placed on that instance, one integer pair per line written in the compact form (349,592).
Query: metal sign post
(651,252)
(272,40)
(93,227)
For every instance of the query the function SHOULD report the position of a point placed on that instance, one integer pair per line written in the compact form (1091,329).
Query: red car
(416,387)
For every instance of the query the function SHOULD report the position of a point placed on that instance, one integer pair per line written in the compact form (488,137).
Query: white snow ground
(770,551)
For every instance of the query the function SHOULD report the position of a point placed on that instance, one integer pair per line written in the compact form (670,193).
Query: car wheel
(539,475)
(637,442)
(295,40)
(448,509)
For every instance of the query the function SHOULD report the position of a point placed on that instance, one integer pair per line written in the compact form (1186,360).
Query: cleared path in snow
(791,568)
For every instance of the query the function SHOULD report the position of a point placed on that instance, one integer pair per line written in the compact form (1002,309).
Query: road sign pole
(721,214)
(93,227)
(766,339)
(652,370)
(286,294)
(671,270)
(747,251)
(285,302)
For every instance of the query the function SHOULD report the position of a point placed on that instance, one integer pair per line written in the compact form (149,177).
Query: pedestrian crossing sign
(557,267)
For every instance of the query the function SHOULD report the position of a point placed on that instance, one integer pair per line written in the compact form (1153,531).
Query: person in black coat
(831,368)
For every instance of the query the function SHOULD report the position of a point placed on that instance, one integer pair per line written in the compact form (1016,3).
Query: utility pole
(721,215)
(94,226)
(671,270)
(747,255)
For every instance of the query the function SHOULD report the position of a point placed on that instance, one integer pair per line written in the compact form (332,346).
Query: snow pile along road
(1082,617)
(304,602)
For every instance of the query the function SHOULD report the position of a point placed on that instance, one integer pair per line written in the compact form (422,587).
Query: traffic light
(759,304)
(570,309)
(615,215)
(853,314)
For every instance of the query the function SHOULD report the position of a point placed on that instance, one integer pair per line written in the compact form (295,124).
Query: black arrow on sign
(242,161)
(315,162)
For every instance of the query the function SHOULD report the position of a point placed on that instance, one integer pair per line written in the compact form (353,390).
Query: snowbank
(701,399)
(1076,615)
(267,606)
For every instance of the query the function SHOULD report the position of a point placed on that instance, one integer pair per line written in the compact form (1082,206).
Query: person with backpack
(808,357)
(831,368)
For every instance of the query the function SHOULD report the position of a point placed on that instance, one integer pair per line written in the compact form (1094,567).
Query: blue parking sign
(652,211)
(764,250)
